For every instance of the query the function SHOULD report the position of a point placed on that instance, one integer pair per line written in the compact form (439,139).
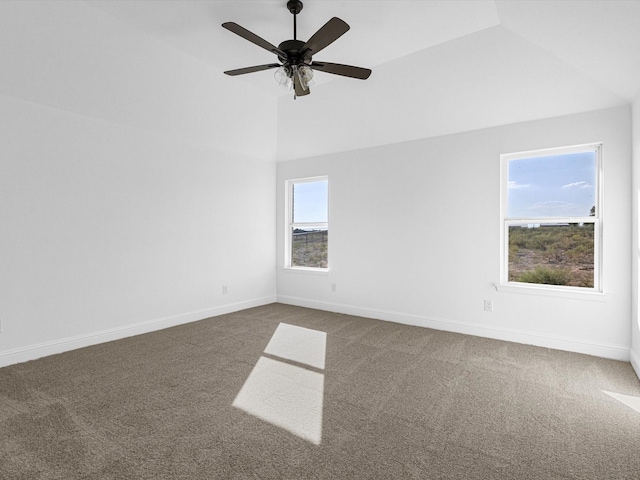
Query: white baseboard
(33,352)
(635,362)
(616,352)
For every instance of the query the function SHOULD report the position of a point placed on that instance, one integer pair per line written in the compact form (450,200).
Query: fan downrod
(294,6)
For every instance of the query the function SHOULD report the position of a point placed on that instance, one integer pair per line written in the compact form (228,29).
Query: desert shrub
(546,276)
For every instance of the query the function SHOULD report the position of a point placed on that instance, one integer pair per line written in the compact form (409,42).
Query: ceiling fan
(296,65)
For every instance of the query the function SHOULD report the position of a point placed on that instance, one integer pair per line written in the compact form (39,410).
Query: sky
(554,186)
(310,201)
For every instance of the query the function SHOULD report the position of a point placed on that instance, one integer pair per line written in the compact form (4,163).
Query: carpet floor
(283,392)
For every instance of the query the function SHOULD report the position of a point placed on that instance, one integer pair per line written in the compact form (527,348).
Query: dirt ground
(527,260)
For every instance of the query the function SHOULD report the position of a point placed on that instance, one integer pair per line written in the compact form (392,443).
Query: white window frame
(290,225)
(505,222)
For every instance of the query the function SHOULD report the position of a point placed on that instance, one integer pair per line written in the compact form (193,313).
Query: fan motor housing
(293,49)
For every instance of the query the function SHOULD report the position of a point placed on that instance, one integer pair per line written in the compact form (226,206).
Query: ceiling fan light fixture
(305,73)
(283,76)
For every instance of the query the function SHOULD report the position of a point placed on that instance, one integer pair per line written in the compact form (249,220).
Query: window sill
(549,291)
(306,270)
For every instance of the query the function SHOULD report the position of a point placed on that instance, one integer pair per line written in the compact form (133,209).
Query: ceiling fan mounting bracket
(294,6)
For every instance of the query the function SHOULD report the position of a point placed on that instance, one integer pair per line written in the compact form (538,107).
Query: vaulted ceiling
(439,67)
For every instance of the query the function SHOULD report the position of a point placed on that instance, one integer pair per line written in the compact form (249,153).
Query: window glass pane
(552,186)
(309,247)
(559,254)
(310,201)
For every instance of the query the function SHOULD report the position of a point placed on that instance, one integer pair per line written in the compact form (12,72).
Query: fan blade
(328,33)
(299,89)
(257,68)
(344,70)
(253,38)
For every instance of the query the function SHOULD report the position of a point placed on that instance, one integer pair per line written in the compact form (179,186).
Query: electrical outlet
(488,306)
(225,289)
(0,325)
(333,287)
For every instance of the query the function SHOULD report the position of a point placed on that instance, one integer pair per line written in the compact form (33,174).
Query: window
(307,226)
(551,217)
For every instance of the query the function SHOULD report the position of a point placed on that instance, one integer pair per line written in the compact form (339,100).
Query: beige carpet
(343,397)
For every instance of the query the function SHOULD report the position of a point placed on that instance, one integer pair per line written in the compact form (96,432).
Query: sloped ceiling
(439,67)
(540,60)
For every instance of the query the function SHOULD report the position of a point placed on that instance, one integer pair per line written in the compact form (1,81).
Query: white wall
(106,228)
(635,283)
(414,236)
(130,191)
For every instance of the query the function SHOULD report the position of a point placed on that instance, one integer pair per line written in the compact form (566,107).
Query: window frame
(597,220)
(290,225)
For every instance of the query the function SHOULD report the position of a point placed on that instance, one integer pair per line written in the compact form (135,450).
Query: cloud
(515,185)
(581,184)
(556,208)
(552,204)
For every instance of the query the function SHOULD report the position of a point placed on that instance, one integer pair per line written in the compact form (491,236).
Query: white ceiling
(439,67)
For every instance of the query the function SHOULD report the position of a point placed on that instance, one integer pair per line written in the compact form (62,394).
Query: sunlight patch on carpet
(629,400)
(287,395)
(299,344)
